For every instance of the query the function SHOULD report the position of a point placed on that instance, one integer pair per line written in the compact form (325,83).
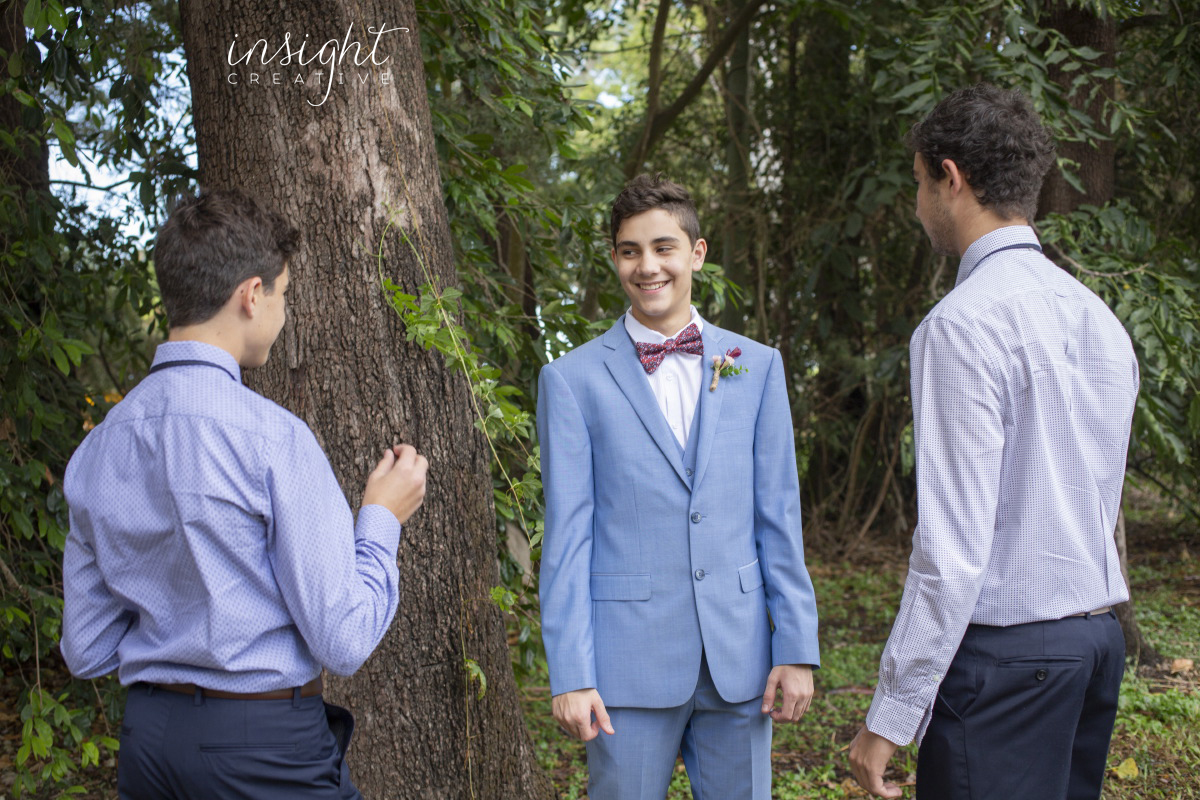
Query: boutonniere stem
(724,366)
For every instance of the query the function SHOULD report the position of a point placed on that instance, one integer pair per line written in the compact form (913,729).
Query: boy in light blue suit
(676,607)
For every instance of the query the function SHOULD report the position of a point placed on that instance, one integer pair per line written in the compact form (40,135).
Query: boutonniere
(724,366)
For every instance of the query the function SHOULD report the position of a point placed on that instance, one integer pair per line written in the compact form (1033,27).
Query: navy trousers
(1025,711)
(190,747)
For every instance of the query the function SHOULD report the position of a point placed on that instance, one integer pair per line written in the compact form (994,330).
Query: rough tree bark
(1097,171)
(342,170)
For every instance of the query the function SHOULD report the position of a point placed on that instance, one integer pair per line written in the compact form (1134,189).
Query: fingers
(398,481)
(573,711)
(602,719)
(385,464)
(869,755)
(795,683)
(771,691)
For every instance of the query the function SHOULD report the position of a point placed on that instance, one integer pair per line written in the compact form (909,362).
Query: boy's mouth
(652,287)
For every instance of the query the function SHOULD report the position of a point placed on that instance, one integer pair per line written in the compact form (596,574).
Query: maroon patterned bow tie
(688,341)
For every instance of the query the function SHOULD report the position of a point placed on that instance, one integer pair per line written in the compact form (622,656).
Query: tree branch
(658,122)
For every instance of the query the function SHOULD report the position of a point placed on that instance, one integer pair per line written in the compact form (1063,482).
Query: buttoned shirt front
(676,382)
(211,544)
(1023,389)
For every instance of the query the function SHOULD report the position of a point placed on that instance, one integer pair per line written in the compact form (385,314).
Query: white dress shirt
(676,382)
(1023,389)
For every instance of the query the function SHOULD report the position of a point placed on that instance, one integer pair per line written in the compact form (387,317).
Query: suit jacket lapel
(710,402)
(627,371)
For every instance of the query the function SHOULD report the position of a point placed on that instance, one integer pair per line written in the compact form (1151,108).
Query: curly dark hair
(998,142)
(212,242)
(647,192)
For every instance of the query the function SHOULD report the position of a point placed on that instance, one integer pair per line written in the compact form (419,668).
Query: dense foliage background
(785,119)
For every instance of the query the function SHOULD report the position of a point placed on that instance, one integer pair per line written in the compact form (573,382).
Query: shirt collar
(989,242)
(640,333)
(191,350)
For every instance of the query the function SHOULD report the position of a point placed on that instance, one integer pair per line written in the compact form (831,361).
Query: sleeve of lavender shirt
(339,579)
(959,434)
(94,622)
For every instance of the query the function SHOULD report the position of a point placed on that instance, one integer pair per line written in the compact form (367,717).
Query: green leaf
(63,131)
(61,360)
(33,10)
(912,88)
(56,16)
(474,673)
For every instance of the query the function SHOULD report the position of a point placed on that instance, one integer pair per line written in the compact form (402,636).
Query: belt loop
(198,697)
(296,697)
(1087,615)
(150,687)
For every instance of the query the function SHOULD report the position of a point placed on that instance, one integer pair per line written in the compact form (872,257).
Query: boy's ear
(699,251)
(247,295)
(956,181)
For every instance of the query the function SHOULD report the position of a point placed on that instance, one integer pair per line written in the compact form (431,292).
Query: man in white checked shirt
(1005,660)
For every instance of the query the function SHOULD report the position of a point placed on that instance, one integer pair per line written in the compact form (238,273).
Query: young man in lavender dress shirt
(1005,660)
(212,559)
(675,600)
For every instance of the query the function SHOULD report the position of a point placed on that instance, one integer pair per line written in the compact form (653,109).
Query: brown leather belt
(1097,612)
(310,689)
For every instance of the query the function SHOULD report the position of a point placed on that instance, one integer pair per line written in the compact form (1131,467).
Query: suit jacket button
(688,471)
(696,516)
(699,574)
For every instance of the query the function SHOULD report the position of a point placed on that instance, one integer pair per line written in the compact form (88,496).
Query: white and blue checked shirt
(1023,388)
(211,544)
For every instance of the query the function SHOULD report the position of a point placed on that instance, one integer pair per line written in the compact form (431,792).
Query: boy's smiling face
(655,262)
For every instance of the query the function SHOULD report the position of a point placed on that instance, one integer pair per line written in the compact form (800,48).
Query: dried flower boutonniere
(723,367)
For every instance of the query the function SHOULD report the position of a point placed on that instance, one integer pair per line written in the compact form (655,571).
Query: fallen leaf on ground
(1181,665)
(1128,770)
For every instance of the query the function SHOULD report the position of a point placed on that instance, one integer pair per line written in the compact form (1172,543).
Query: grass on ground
(1158,723)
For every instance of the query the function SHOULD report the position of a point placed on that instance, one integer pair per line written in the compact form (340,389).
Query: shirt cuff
(893,720)
(378,524)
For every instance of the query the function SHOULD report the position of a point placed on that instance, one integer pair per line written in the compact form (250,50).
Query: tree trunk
(1136,645)
(735,233)
(1096,159)
(342,169)
(1097,170)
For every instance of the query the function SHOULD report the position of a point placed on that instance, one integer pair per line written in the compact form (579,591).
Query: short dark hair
(647,192)
(996,139)
(212,242)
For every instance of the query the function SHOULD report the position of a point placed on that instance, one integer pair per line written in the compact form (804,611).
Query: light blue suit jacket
(645,564)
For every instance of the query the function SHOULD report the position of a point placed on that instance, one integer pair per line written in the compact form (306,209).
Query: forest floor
(1157,730)
(1155,751)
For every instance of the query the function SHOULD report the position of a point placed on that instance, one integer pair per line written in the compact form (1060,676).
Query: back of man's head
(996,139)
(212,242)
(648,192)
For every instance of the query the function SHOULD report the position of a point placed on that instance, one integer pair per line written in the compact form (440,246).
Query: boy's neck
(667,325)
(216,332)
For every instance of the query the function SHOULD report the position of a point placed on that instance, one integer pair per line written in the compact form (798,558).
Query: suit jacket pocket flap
(751,576)
(634,586)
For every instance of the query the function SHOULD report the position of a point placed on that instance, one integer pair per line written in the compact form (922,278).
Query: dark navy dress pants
(1026,712)
(190,747)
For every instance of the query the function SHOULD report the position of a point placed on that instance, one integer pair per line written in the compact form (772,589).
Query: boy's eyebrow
(658,240)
